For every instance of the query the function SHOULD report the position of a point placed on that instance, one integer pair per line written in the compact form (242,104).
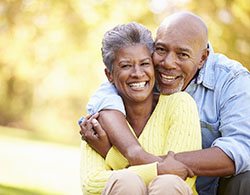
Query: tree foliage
(50,60)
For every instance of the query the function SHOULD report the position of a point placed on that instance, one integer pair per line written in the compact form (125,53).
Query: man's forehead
(178,38)
(180,46)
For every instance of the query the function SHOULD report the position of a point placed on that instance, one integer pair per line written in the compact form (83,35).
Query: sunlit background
(50,64)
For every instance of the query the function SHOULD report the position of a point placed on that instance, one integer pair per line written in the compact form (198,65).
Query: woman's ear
(108,75)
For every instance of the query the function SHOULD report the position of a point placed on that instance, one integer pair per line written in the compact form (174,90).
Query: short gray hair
(122,36)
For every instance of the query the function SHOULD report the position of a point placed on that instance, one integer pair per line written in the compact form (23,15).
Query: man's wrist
(159,168)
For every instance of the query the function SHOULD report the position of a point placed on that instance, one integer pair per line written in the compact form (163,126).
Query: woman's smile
(133,73)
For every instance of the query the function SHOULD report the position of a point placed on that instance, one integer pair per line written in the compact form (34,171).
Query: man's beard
(169,91)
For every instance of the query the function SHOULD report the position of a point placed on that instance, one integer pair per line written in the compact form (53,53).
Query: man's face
(177,58)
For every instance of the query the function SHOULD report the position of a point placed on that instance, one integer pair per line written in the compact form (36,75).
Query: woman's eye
(125,66)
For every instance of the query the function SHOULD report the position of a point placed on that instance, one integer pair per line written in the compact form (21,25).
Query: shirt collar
(206,75)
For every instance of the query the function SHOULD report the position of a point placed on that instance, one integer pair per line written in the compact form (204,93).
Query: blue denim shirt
(222,94)
(221,90)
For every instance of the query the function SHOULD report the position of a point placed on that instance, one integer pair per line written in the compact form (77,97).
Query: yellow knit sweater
(174,125)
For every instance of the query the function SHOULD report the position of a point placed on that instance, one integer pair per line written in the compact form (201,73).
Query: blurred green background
(50,64)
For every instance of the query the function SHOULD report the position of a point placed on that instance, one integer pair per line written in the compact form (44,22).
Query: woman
(160,123)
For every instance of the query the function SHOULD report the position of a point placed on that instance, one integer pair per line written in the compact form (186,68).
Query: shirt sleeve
(106,97)
(234,126)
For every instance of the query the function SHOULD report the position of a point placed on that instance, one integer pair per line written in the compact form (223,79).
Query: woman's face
(133,73)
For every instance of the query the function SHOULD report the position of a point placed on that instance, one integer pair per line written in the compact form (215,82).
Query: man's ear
(204,56)
(108,75)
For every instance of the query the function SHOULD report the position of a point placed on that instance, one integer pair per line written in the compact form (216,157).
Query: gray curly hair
(122,36)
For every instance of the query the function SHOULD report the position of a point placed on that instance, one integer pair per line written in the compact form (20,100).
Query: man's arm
(228,154)
(207,162)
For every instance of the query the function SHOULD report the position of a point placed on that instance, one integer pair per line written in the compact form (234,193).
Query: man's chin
(170,89)
(167,90)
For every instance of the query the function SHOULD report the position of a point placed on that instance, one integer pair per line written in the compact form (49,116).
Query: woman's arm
(123,139)
(112,119)
(94,135)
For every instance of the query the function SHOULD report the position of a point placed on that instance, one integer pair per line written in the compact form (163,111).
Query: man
(221,88)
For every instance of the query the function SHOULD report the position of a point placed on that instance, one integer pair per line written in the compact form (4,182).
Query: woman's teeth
(137,85)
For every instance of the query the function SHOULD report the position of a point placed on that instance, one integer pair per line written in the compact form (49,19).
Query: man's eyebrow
(159,43)
(185,49)
(182,49)
(145,59)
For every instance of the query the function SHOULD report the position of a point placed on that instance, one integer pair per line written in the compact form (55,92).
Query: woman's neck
(138,113)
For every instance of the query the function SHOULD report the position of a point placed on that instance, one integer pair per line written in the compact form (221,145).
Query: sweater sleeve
(179,113)
(117,161)
(94,172)
(176,114)
(184,126)
(114,154)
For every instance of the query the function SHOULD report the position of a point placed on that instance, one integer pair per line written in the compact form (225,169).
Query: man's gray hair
(122,36)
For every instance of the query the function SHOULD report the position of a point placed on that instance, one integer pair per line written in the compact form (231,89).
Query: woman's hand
(94,135)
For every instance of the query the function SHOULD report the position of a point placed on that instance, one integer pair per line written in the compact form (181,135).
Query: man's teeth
(137,85)
(167,77)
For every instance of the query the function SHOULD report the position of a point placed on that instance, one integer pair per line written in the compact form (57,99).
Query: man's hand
(172,166)
(94,135)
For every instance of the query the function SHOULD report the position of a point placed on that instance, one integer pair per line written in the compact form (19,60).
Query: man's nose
(169,61)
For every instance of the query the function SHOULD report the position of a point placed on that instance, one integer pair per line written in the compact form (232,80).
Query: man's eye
(183,55)
(145,64)
(160,50)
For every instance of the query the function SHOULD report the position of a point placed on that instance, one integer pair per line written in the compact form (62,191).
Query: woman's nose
(138,72)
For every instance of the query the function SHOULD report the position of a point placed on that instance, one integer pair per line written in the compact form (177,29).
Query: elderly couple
(193,137)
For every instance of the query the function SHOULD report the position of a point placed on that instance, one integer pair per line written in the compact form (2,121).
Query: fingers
(90,128)
(171,153)
(83,132)
(190,173)
(86,119)
(90,135)
(94,116)
(97,127)
(85,126)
